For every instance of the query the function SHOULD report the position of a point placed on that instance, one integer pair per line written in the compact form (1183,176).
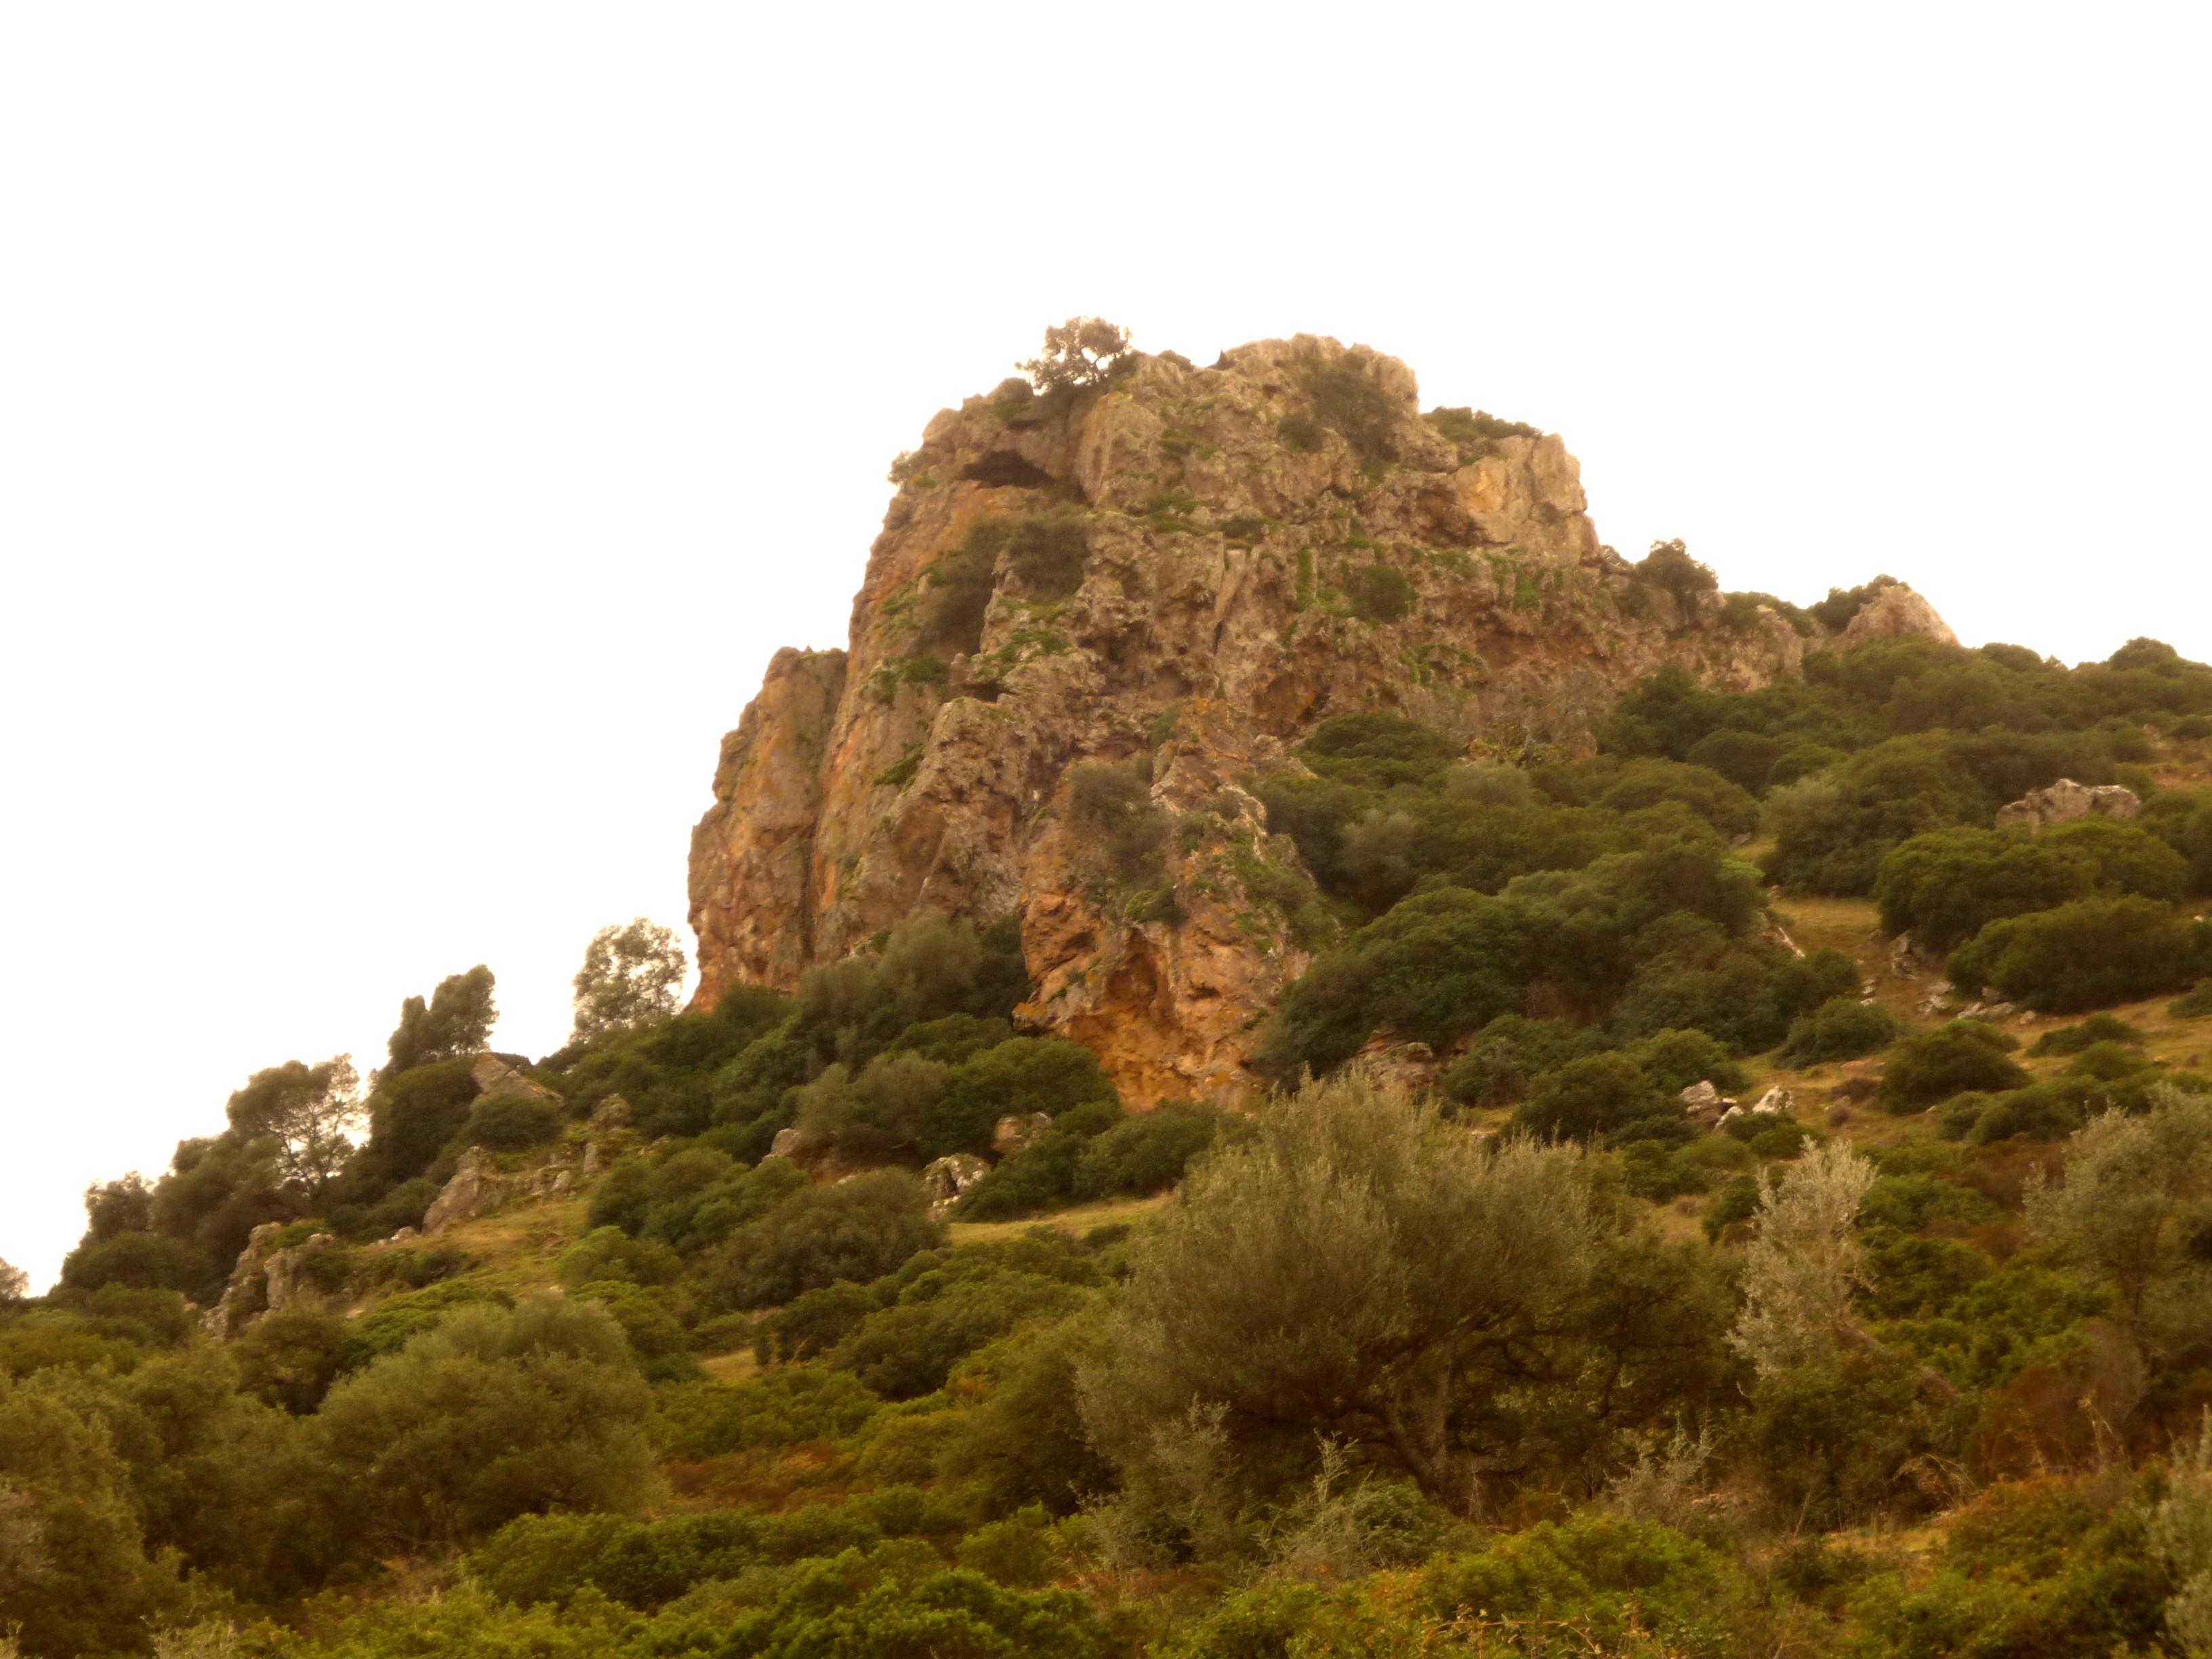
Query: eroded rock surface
(1251,571)
(2067,801)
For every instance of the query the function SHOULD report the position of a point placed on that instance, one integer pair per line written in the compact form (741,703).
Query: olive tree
(632,974)
(1355,1269)
(1801,1270)
(2137,1193)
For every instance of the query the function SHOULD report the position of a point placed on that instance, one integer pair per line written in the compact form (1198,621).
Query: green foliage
(74,1576)
(457,1021)
(1935,1065)
(608,1254)
(1046,553)
(1600,1095)
(859,1229)
(1354,1223)
(1834,828)
(1079,355)
(1476,433)
(908,1349)
(2088,954)
(513,1122)
(412,1116)
(1841,1028)
(631,974)
(1948,884)
(1349,403)
(491,1415)
(786,1407)
(1669,567)
(1380,593)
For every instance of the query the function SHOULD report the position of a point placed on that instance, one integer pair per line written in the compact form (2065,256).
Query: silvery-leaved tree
(1360,1268)
(1800,1273)
(633,975)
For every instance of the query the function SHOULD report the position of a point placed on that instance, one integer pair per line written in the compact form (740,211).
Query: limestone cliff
(1182,573)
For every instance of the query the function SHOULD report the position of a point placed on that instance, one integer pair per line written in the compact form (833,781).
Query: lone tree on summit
(1080,353)
(631,974)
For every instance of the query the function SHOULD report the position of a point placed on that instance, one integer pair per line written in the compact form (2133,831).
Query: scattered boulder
(1896,609)
(945,1179)
(1705,1103)
(1907,959)
(1015,1135)
(476,1188)
(1777,1102)
(2067,801)
(493,1076)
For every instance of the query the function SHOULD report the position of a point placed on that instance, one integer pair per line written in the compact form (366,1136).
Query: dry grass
(1080,1219)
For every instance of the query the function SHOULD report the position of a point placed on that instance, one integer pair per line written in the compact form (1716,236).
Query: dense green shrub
(513,1123)
(1948,884)
(1948,1060)
(786,1407)
(1592,1097)
(859,1228)
(492,1415)
(1834,830)
(1443,963)
(141,1261)
(2089,954)
(1842,1028)
(2098,1028)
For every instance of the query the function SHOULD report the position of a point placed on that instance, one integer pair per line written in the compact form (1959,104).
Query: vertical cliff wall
(1180,575)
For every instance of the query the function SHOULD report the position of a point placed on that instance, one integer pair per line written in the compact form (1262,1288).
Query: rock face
(493,1076)
(1250,570)
(267,1280)
(2067,801)
(476,1188)
(1896,609)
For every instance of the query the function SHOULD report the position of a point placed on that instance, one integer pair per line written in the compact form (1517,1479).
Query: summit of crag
(1096,615)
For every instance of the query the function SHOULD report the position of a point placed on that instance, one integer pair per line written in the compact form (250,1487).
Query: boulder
(493,1076)
(2067,801)
(476,1188)
(612,1113)
(1896,609)
(948,1177)
(1016,1135)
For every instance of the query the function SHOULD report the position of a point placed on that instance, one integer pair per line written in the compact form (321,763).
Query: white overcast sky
(420,422)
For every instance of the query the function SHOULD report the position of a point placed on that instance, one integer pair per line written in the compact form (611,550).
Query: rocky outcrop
(2067,801)
(476,1188)
(1894,608)
(1182,575)
(267,1279)
(948,1179)
(493,1076)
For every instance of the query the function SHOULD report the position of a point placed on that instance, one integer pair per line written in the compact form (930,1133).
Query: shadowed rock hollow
(1090,623)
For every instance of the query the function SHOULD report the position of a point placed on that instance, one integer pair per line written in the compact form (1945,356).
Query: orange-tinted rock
(1230,601)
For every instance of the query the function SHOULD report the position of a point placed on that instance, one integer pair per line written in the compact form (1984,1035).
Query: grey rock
(2067,801)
